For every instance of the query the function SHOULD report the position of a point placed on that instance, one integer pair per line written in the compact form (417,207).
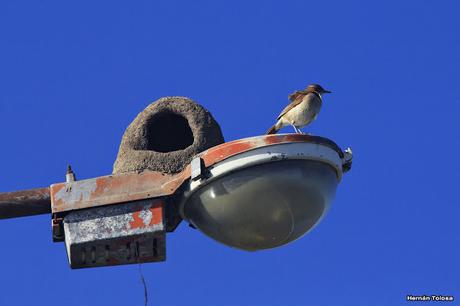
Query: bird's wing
(298,99)
(295,94)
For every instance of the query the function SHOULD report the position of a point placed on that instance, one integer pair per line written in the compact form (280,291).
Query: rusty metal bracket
(113,189)
(57,228)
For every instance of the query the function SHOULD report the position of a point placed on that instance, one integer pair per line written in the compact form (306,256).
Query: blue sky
(74,74)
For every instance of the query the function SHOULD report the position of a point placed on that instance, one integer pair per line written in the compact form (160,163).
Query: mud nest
(166,136)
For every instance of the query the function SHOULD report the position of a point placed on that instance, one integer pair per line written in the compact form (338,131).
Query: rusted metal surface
(57,228)
(116,234)
(114,189)
(25,203)
(228,149)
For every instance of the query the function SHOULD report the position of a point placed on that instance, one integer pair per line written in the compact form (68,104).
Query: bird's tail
(275,128)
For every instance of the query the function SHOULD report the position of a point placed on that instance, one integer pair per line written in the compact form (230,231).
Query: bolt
(70,175)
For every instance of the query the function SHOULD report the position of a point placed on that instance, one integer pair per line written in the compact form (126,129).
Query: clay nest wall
(166,136)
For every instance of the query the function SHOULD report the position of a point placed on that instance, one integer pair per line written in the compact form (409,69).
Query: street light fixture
(252,194)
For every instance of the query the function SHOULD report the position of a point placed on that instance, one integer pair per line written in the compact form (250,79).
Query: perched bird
(303,109)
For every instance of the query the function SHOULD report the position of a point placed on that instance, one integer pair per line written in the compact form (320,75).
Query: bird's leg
(295,129)
(298,130)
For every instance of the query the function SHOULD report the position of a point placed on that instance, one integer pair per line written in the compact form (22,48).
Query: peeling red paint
(137,222)
(115,189)
(157,217)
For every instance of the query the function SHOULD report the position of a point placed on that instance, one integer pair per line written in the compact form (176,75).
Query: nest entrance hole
(167,132)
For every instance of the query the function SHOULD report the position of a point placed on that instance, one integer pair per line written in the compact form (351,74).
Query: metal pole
(25,203)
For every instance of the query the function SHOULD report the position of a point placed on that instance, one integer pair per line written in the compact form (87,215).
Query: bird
(303,109)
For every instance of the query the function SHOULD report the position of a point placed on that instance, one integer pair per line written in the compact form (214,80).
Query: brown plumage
(272,130)
(303,109)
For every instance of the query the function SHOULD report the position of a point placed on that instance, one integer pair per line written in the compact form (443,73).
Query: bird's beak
(327,91)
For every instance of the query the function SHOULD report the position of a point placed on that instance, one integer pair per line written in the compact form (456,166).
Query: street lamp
(252,194)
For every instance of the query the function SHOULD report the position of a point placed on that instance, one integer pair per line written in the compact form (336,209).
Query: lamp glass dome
(263,206)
